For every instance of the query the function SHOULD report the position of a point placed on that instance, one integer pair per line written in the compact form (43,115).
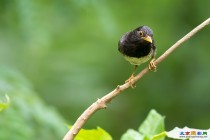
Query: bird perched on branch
(138,47)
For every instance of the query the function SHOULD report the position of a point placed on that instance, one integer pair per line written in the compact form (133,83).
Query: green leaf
(152,128)
(93,134)
(159,136)
(4,105)
(152,125)
(132,135)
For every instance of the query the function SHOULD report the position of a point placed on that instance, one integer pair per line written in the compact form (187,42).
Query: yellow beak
(148,39)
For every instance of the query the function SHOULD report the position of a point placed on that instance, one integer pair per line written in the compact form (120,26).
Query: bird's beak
(148,39)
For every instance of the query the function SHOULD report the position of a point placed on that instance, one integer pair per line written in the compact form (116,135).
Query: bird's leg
(130,79)
(152,65)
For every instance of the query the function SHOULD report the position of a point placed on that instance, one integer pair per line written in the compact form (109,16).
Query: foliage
(4,105)
(93,134)
(153,129)
(152,126)
(27,117)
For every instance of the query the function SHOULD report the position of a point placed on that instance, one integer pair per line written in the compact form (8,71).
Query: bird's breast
(136,60)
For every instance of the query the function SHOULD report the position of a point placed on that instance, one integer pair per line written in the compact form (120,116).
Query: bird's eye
(141,33)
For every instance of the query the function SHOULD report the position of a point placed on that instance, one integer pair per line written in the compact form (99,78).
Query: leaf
(4,105)
(152,125)
(159,136)
(93,134)
(152,128)
(132,135)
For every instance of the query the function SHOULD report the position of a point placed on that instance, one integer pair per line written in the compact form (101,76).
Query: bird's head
(144,34)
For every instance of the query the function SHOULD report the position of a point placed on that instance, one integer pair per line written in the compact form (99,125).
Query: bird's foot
(152,65)
(131,81)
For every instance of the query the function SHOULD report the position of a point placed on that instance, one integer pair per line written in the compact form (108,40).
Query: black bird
(138,47)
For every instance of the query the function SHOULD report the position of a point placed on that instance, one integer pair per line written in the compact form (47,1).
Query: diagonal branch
(101,103)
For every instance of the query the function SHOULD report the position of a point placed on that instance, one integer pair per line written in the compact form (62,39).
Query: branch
(101,103)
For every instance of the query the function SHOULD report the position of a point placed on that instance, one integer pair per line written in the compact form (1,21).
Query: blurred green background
(66,50)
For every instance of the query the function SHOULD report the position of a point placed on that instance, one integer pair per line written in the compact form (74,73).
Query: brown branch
(101,103)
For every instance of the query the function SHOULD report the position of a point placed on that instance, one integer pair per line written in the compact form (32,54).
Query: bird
(137,47)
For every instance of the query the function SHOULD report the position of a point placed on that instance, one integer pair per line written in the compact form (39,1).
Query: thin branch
(101,103)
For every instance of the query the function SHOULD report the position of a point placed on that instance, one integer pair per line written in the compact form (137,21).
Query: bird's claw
(152,65)
(131,81)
